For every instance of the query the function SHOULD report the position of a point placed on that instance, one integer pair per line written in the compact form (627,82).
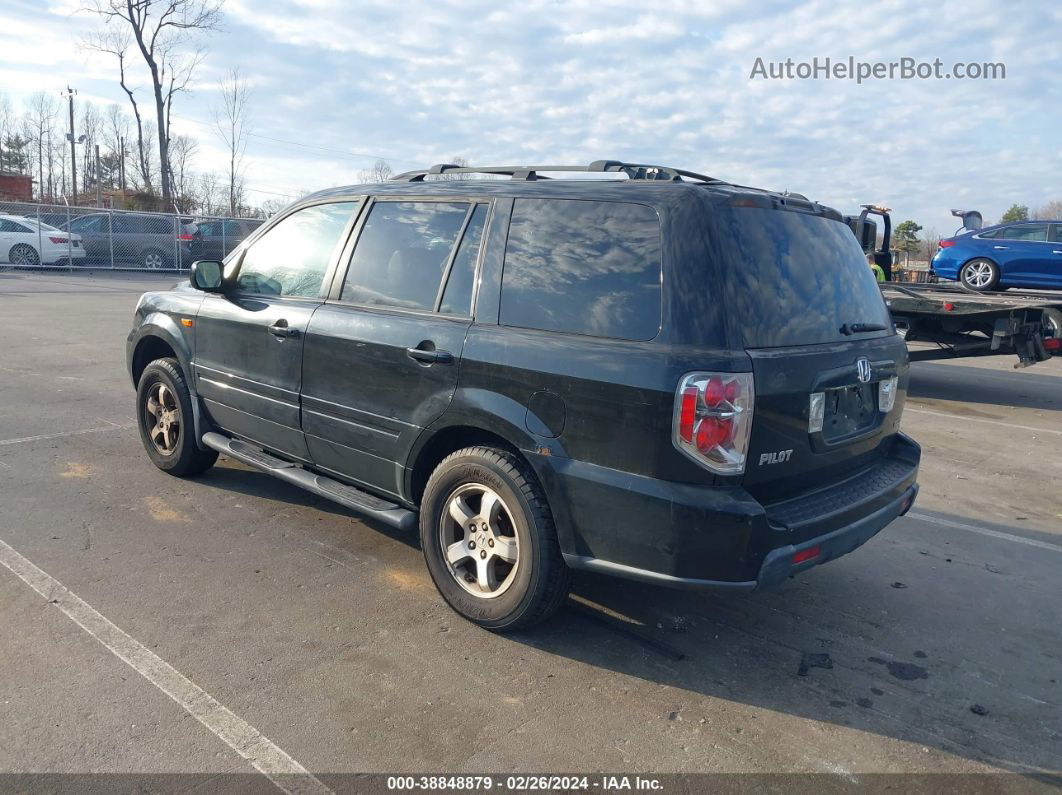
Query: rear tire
(152,259)
(980,275)
(164,416)
(24,255)
(1053,322)
(501,567)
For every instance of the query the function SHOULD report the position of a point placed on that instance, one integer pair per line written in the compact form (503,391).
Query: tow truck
(956,322)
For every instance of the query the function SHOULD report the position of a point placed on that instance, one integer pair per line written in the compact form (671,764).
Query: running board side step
(348,496)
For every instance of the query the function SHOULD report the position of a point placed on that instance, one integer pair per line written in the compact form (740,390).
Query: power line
(301,145)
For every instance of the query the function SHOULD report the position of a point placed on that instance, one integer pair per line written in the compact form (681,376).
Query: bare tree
(380,171)
(39,121)
(1052,211)
(182,150)
(233,123)
(7,120)
(161,30)
(116,136)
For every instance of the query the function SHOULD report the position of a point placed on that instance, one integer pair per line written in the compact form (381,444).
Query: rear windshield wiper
(859,328)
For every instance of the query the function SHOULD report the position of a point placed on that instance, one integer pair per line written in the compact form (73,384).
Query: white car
(25,242)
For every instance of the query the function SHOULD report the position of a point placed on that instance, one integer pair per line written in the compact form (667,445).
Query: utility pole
(121,164)
(70,93)
(99,202)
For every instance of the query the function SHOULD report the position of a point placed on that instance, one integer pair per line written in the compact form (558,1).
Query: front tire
(164,416)
(489,540)
(980,275)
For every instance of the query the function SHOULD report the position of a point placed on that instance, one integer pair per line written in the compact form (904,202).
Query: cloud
(577,81)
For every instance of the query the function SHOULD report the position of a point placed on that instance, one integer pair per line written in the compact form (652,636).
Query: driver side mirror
(207,276)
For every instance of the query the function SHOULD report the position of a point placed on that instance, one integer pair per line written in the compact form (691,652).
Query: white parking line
(240,736)
(1032,542)
(1032,428)
(61,434)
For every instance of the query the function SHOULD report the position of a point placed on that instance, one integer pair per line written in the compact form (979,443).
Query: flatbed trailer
(963,323)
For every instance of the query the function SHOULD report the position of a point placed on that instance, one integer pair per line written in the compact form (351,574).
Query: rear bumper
(687,536)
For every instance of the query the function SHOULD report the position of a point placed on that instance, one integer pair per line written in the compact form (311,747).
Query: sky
(339,83)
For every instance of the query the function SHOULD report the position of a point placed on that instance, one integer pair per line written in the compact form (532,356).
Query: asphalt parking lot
(937,647)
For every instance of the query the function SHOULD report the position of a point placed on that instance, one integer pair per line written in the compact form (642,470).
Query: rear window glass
(1036,232)
(791,278)
(583,267)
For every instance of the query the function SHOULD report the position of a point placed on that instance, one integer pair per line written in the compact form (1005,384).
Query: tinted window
(292,257)
(401,253)
(1027,232)
(209,228)
(457,297)
(791,278)
(583,267)
(1056,233)
(992,235)
(11,226)
(90,223)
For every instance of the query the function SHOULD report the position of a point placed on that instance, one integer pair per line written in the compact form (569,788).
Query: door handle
(1001,248)
(282,329)
(1056,252)
(430,356)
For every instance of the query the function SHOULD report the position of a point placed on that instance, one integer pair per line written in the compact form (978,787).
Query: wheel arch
(436,443)
(157,337)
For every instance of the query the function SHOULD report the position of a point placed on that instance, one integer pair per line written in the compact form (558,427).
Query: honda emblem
(863,369)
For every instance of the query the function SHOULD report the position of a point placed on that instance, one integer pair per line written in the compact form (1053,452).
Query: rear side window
(792,278)
(1034,232)
(457,297)
(401,253)
(583,267)
(291,257)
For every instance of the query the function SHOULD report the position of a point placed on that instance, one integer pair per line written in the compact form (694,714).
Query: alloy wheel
(153,260)
(25,255)
(162,415)
(978,274)
(478,539)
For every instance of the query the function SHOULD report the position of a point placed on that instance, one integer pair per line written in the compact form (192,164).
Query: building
(16,187)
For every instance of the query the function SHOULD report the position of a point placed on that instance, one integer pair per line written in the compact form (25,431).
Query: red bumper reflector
(807,554)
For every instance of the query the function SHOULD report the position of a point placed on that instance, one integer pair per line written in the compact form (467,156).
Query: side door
(1024,254)
(382,356)
(7,239)
(249,340)
(1054,266)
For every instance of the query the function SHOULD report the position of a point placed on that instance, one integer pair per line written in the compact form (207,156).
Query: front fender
(160,325)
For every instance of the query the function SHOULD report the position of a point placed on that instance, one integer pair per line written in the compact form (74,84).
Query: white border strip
(61,434)
(981,419)
(1032,542)
(267,758)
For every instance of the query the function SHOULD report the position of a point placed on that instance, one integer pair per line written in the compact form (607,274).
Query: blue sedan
(1022,254)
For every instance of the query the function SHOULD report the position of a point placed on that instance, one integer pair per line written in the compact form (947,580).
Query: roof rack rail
(637,171)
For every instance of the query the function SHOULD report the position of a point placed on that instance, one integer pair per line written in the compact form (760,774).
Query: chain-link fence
(58,236)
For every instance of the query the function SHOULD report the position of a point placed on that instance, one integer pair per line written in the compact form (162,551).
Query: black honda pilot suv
(651,374)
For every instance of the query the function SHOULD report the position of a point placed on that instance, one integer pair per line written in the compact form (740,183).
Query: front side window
(583,267)
(1034,232)
(292,257)
(402,252)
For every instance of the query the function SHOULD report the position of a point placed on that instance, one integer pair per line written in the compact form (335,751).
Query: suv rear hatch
(802,302)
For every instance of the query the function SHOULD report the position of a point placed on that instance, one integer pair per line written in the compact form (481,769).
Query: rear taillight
(185,237)
(713,419)
(1053,345)
(946,243)
(57,239)
(887,394)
